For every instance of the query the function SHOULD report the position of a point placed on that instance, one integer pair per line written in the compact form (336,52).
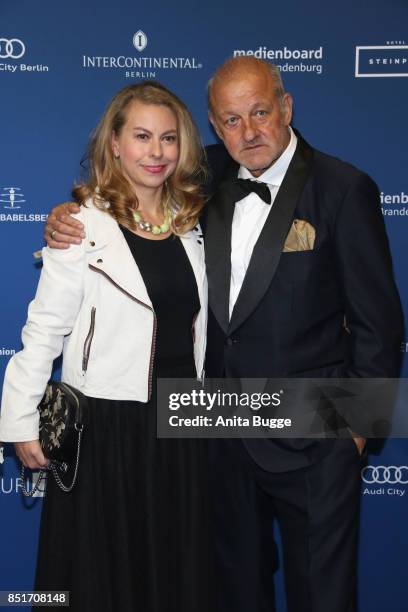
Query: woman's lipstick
(155,169)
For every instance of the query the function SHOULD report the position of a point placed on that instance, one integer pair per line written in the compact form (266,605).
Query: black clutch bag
(62,418)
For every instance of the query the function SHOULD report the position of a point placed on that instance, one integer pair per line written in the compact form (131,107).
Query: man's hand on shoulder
(62,229)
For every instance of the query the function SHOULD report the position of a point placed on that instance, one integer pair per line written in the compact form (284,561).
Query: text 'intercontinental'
(121,61)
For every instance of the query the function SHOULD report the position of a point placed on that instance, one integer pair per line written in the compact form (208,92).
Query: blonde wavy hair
(182,191)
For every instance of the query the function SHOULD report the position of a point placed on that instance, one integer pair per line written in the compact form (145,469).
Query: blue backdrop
(346,66)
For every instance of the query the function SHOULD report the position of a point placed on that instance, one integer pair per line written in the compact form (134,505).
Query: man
(299,286)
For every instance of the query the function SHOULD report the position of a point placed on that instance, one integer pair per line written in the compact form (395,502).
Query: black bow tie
(240,188)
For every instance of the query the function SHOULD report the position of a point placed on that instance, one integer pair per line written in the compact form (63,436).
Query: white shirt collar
(275,174)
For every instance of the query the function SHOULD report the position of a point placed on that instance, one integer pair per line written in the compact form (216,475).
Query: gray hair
(233,64)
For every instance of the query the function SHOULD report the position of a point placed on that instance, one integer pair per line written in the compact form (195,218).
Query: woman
(124,307)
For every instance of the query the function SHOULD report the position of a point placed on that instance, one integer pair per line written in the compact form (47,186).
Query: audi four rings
(385,474)
(12,48)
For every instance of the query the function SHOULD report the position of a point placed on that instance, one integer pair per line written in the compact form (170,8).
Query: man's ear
(287,108)
(213,122)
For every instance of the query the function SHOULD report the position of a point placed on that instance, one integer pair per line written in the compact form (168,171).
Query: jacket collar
(109,254)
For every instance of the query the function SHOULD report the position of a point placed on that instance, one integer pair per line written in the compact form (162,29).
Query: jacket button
(230,341)
(92,243)
(99,261)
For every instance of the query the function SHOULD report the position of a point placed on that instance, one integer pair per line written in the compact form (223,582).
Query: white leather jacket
(92,305)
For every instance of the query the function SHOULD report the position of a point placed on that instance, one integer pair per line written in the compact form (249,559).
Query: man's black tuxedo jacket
(289,318)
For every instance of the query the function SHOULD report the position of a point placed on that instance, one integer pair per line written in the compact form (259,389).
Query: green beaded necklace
(146,226)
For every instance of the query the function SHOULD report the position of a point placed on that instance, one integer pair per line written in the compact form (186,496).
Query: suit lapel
(218,221)
(268,249)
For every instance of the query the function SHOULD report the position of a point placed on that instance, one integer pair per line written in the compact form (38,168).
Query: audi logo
(385,474)
(12,48)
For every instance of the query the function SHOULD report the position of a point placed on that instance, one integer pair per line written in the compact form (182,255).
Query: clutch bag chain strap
(56,466)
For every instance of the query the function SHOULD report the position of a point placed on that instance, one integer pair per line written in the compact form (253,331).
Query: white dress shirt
(250,215)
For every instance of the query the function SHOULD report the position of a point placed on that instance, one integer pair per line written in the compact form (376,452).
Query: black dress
(135,534)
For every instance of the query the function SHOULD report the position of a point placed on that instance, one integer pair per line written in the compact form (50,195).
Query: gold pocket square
(301,237)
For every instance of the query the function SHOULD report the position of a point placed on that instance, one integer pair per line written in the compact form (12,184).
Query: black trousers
(317,509)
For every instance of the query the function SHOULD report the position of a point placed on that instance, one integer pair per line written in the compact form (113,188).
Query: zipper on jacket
(154,335)
(152,353)
(88,341)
